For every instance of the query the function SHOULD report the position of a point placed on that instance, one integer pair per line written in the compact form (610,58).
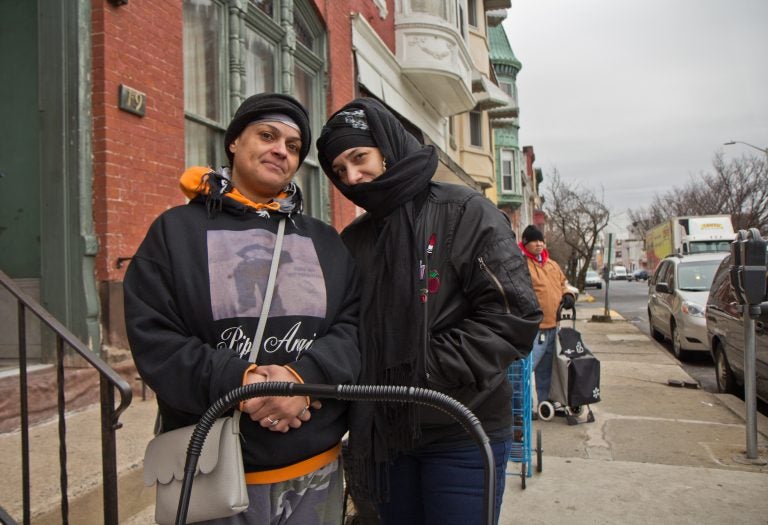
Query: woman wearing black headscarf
(447,304)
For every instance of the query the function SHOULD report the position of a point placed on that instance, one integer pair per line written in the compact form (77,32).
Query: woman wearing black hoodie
(193,299)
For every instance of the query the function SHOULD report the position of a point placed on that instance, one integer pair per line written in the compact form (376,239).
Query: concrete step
(83,431)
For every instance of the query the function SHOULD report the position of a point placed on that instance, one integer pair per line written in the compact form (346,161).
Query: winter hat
(532,233)
(257,106)
(346,129)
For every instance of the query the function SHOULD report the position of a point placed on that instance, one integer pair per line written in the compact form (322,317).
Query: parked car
(638,275)
(677,298)
(619,273)
(593,280)
(725,331)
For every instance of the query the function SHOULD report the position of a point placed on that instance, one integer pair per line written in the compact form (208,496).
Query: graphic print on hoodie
(238,267)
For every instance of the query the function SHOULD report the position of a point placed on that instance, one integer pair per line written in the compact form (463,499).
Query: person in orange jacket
(551,288)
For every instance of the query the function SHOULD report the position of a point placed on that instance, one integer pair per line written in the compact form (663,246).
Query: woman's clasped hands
(277,413)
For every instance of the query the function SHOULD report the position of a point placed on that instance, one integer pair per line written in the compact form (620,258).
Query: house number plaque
(132,100)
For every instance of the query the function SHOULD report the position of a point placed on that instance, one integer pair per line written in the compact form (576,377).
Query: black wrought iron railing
(109,381)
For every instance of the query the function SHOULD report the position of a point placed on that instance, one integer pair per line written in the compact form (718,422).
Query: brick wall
(137,160)
(385,28)
(342,83)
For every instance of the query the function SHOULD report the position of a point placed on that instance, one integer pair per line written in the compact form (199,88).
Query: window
(722,291)
(222,69)
(431,7)
(451,12)
(204,100)
(304,33)
(670,276)
(696,276)
(265,5)
(309,178)
(472,12)
(507,171)
(661,273)
(259,63)
(476,128)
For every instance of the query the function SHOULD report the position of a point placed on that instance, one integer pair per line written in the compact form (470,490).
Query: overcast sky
(637,96)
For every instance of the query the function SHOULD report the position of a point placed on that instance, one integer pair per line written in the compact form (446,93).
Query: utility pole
(607,277)
(606,317)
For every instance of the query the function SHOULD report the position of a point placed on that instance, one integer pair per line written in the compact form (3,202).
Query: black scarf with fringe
(391,324)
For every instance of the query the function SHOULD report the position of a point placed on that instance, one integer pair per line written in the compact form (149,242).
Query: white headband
(277,117)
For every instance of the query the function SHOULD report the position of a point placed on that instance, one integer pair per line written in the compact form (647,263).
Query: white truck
(685,235)
(619,273)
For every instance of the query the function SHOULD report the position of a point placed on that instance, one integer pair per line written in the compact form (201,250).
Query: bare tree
(576,217)
(738,188)
(560,251)
(641,221)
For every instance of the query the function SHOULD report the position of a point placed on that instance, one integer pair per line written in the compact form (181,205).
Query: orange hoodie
(194,182)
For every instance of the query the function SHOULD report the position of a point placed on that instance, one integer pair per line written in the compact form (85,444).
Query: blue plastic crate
(519,374)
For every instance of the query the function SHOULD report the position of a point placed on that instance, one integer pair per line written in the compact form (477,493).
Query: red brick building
(114,98)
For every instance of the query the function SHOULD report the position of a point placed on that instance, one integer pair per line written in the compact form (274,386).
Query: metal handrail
(109,380)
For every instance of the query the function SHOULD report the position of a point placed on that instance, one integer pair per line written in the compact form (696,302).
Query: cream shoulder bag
(219,488)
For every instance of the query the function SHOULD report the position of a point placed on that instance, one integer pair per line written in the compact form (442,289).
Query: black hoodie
(192,303)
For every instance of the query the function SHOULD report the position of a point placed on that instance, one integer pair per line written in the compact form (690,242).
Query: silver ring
(272,422)
(303,411)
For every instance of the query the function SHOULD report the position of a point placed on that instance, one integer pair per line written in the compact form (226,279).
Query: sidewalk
(655,454)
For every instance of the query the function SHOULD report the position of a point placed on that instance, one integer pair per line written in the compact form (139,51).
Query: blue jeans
(541,361)
(438,486)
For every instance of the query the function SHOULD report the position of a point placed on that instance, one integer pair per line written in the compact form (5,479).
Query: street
(630,299)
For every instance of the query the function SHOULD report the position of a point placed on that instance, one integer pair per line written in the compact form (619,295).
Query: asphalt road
(630,299)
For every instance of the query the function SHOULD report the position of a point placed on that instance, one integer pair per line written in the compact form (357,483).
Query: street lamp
(732,142)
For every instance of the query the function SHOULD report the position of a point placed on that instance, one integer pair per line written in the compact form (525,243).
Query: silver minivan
(677,299)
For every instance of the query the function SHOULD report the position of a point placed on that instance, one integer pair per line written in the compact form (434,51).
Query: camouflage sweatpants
(314,499)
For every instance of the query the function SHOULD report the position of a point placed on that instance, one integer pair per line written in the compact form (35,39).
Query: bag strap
(265,306)
(269,292)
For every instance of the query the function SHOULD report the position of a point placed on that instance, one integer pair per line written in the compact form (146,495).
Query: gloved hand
(568,302)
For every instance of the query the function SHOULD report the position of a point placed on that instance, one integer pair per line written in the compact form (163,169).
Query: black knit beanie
(263,104)
(346,129)
(532,233)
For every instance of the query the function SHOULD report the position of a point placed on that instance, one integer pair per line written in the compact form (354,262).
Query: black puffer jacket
(483,314)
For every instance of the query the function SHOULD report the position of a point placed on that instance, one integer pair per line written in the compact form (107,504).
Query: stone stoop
(83,439)
(81,389)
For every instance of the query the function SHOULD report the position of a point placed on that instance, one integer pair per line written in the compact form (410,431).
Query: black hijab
(391,324)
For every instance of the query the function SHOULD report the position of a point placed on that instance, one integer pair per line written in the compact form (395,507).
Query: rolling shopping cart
(519,375)
(376,393)
(575,376)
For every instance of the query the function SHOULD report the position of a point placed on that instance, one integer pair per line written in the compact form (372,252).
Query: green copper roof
(501,52)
